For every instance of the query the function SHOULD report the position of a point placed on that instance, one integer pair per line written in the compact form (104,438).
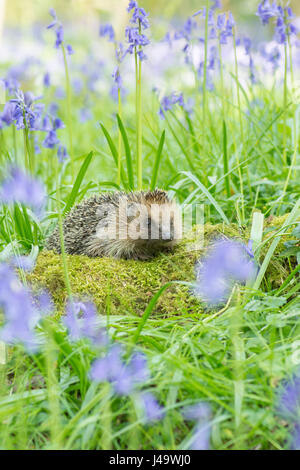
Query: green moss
(126,286)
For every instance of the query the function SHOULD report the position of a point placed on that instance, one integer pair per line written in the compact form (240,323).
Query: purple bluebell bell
(289,399)
(124,377)
(21,311)
(24,111)
(46,80)
(51,141)
(151,408)
(107,30)
(62,153)
(295,438)
(282,17)
(168,101)
(19,187)
(7,116)
(201,413)
(265,11)
(26,263)
(228,262)
(69,49)
(134,34)
(81,321)
(57,26)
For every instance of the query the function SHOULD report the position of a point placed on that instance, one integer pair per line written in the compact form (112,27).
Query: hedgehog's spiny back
(80,224)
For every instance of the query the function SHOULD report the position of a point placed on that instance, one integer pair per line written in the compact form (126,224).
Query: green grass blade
(225,160)
(207,194)
(157,161)
(114,153)
(290,220)
(127,153)
(78,181)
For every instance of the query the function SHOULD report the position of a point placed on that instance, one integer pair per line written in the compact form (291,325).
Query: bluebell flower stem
(241,126)
(69,110)
(27,149)
(61,232)
(119,139)
(138,76)
(53,390)
(285,94)
(205,74)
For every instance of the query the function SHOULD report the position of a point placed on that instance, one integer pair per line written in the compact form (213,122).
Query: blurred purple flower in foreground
(81,321)
(124,377)
(21,311)
(201,412)
(152,409)
(19,187)
(289,399)
(288,408)
(228,262)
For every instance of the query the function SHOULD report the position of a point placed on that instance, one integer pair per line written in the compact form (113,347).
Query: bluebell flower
(59,36)
(52,12)
(289,399)
(62,153)
(46,80)
(107,30)
(59,32)
(282,17)
(265,11)
(187,30)
(227,263)
(124,377)
(132,4)
(24,111)
(81,320)
(295,438)
(8,113)
(117,77)
(151,408)
(70,49)
(169,101)
(51,141)
(21,311)
(201,413)
(19,187)
(134,35)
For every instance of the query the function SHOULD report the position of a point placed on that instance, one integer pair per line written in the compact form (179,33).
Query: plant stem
(69,110)
(285,92)
(241,124)
(139,137)
(61,233)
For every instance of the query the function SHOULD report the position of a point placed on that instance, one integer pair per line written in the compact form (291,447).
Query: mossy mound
(126,286)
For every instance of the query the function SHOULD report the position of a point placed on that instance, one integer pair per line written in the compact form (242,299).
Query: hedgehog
(136,225)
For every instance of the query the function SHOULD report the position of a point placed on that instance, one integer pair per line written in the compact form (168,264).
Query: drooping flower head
(59,32)
(134,34)
(282,18)
(106,30)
